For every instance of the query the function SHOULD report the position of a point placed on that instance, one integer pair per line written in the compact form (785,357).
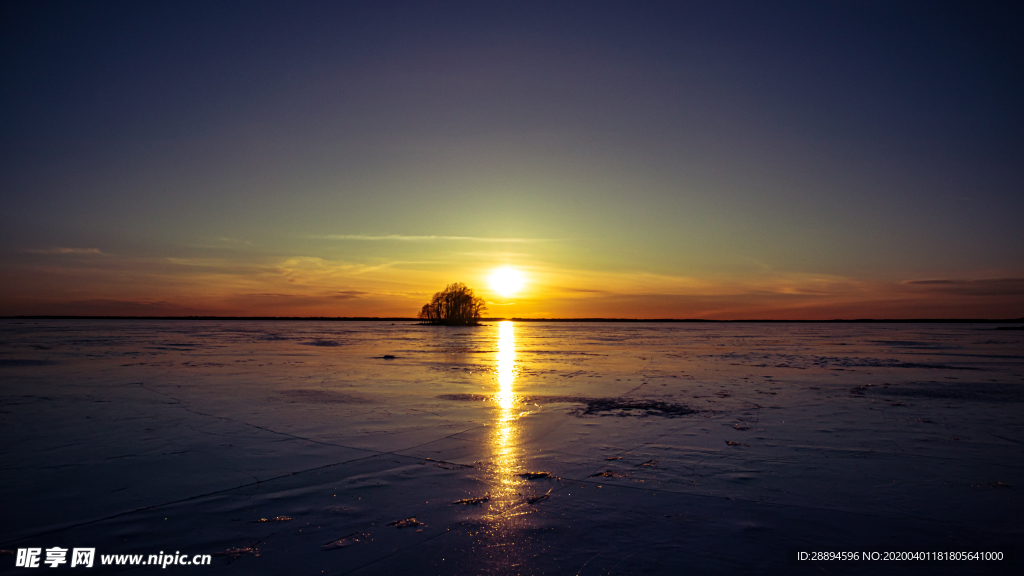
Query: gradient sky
(706,159)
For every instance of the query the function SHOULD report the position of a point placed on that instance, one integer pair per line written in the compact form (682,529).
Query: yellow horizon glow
(507,281)
(308,286)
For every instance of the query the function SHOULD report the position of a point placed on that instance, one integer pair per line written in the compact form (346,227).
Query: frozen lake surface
(512,448)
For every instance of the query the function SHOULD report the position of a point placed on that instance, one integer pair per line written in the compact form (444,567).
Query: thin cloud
(116,307)
(404,238)
(983,287)
(349,294)
(301,300)
(65,251)
(584,290)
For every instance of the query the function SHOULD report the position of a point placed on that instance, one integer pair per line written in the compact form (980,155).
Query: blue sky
(736,159)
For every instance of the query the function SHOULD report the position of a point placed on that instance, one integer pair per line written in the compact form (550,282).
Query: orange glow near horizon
(86,282)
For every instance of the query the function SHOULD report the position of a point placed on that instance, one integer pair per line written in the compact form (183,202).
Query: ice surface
(669,448)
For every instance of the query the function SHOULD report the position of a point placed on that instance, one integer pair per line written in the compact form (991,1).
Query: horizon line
(515,319)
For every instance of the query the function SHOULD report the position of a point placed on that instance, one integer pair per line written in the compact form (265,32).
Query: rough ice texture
(666,448)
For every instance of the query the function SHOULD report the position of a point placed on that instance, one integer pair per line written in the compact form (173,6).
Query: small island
(454,306)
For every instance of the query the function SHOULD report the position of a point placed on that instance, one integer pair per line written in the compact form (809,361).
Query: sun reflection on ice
(507,502)
(506,368)
(506,430)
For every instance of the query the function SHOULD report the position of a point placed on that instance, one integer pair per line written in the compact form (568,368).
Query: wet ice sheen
(512,448)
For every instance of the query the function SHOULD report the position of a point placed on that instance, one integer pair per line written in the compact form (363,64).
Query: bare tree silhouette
(454,306)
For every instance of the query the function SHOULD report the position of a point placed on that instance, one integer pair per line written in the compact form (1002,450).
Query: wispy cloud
(65,251)
(583,290)
(349,294)
(983,287)
(305,299)
(404,238)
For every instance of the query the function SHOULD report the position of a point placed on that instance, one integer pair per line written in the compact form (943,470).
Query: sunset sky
(715,160)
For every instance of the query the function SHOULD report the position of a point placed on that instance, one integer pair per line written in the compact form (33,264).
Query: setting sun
(506,281)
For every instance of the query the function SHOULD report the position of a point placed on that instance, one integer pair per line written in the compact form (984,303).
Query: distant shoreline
(606,320)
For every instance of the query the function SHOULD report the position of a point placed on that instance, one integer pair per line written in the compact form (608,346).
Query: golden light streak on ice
(506,366)
(506,501)
(506,430)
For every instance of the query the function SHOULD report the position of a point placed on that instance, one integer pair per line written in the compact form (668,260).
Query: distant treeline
(408,319)
(836,321)
(299,318)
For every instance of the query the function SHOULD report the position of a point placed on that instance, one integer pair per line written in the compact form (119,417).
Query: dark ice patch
(639,408)
(593,406)
(344,542)
(6,401)
(973,392)
(235,553)
(406,523)
(908,344)
(926,366)
(515,399)
(834,362)
(21,362)
(304,396)
(170,347)
(327,343)
(534,499)
(609,474)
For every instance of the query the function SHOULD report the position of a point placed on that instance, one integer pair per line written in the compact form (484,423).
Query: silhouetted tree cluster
(453,306)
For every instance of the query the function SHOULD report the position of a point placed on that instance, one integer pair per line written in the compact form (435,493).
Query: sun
(506,281)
